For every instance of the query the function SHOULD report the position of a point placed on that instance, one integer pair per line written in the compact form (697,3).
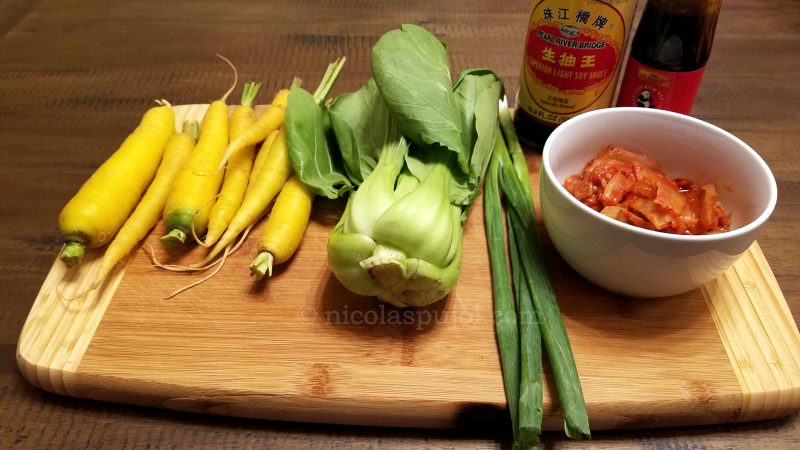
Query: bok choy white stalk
(400,237)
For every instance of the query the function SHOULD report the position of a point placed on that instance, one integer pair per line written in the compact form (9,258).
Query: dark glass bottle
(669,53)
(531,132)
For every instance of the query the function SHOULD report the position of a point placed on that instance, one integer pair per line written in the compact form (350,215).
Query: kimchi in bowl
(636,261)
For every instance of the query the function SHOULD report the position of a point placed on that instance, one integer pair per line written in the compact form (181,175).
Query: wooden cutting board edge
(755,325)
(759,334)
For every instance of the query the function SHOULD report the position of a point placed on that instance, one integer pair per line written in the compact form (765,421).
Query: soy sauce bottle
(571,61)
(669,53)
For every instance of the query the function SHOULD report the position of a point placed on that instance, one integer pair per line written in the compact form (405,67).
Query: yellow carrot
(237,172)
(192,195)
(95,214)
(286,224)
(271,120)
(261,157)
(276,170)
(148,211)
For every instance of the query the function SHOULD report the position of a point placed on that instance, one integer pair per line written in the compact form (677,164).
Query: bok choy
(417,146)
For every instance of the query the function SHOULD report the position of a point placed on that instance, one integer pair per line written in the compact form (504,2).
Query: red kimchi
(631,188)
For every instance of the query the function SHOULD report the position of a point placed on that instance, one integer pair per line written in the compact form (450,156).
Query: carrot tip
(72,254)
(235,77)
(174,237)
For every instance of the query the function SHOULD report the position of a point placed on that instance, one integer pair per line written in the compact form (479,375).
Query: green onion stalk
(540,319)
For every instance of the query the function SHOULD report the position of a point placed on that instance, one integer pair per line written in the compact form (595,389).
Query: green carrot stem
(73,253)
(249,93)
(192,128)
(329,79)
(262,265)
(174,237)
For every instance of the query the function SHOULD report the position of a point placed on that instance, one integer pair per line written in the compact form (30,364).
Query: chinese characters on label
(567,59)
(582,16)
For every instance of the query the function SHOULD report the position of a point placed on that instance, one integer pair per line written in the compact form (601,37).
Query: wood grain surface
(75,76)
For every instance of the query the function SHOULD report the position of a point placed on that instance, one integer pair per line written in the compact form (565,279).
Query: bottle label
(572,55)
(647,87)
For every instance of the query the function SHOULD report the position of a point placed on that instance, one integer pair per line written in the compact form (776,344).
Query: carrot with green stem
(237,172)
(269,121)
(97,211)
(288,220)
(148,211)
(193,193)
(284,229)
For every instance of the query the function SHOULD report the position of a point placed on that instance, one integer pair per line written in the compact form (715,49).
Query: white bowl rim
(752,225)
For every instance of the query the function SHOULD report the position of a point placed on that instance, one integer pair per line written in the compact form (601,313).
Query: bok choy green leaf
(307,138)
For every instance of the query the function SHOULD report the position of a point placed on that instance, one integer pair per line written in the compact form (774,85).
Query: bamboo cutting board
(300,347)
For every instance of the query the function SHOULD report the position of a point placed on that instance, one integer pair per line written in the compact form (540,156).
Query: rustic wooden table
(75,75)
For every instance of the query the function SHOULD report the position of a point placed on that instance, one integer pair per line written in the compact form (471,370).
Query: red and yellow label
(572,57)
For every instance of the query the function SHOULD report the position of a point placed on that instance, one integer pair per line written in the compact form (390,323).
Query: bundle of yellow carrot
(270,176)
(206,180)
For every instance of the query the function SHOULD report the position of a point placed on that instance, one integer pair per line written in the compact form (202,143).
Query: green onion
(505,315)
(521,219)
(517,155)
(530,395)
(536,318)
(517,330)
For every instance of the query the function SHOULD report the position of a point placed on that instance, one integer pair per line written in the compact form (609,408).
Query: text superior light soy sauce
(573,51)
(669,54)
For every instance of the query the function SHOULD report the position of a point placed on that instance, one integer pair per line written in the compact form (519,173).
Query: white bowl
(637,262)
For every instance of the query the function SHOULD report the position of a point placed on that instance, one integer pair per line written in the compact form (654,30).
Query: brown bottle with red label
(668,54)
